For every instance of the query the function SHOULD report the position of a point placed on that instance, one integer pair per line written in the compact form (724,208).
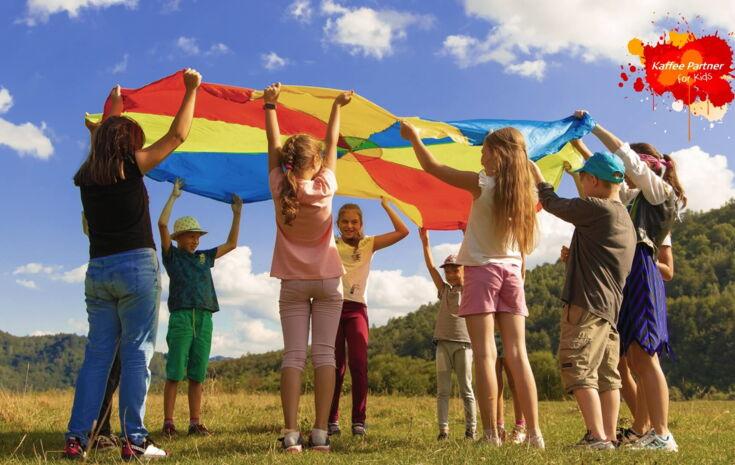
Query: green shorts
(189,341)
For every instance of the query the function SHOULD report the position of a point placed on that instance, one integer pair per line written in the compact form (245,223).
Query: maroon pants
(353,330)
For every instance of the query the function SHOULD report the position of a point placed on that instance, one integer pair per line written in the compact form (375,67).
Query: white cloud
(218,49)
(553,233)
(6,100)
(35,268)
(707,180)
(41,10)
(534,69)
(390,294)
(301,10)
(366,31)
(42,333)
(170,6)
(76,275)
(528,31)
(27,283)
(188,45)
(271,61)
(26,138)
(121,66)
(238,287)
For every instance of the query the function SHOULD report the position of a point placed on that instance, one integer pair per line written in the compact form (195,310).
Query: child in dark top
(600,258)
(191,301)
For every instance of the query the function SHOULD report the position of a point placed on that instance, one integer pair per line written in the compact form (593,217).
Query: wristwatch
(269,106)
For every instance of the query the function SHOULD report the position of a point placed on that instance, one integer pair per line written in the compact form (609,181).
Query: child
(654,194)
(356,251)
(599,259)
(518,434)
(501,231)
(192,301)
(303,183)
(453,349)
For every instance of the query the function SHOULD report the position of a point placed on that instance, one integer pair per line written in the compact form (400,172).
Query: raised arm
(149,157)
(272,130)
(332,136)
(467,180)
(231,243)
(166,215)
(654,188)
(426,247)
(400,230)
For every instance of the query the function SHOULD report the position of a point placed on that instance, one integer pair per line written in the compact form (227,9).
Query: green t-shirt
(190,276)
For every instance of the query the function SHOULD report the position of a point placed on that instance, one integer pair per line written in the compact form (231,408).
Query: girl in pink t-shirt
(303,183)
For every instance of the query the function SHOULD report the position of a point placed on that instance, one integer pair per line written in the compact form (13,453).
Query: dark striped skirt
(643,312)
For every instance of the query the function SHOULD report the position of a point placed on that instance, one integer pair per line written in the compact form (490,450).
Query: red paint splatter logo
(695,71)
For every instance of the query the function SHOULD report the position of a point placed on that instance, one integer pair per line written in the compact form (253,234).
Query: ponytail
(296,154)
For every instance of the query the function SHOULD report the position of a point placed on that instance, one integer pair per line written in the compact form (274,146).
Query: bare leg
(641,418)
(195,401)
(290,394)
(517,410)
(650,376)
(630,388)
(324,378)
(513,333)
(501,402)
(169,399)
(589,403)
(610,405)
(480,329)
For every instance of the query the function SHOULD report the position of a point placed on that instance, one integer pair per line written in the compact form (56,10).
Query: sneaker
(590,442)
(536,442)
(105,442)
(359,429)
(169,430)
(492,439)
(318,447)
(627,436)
(291,444)
(469,434)
(147,450)
(518,435)
(443,436)
(73,450)
(333,429)
(653,441)
(199,430)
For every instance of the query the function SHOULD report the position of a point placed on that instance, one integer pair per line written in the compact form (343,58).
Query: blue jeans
(122,292)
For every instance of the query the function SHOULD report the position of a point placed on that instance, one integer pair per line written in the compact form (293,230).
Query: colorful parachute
(226,151)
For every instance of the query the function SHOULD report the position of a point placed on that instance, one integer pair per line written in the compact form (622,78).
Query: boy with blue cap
(599,260)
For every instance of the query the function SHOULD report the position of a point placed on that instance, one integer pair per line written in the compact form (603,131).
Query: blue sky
(436,59)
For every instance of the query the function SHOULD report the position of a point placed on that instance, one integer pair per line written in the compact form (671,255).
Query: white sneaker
(653,441)
(146,450)
(518,435)
(536,442)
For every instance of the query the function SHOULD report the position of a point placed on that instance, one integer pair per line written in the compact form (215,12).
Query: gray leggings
(454,356)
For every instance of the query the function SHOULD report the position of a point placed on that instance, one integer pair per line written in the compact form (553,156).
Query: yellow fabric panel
(552,166)
(205,135)
(436,129)
(459,156)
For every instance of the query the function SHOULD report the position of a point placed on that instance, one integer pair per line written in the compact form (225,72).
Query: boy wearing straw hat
(191,302)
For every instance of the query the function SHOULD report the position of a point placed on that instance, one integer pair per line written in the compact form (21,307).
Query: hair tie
(288,166)
(656,164)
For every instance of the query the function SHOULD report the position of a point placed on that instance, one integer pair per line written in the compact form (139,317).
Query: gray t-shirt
(449,326)
(601,252)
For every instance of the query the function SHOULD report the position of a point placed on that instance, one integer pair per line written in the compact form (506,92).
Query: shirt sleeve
(627,194)
(654,188)
(210,254)
(576,211)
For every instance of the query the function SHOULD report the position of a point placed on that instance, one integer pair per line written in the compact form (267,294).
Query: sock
(521,422)
(193,421)
(501,426)
(168,421)
(319,436)
(291,438)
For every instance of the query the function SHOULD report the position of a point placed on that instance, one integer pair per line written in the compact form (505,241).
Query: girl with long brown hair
(122,286)
(501,232)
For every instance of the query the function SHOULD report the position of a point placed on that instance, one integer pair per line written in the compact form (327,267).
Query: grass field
(401,430)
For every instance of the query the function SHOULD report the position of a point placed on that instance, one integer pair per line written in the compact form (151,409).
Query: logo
(695,72)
